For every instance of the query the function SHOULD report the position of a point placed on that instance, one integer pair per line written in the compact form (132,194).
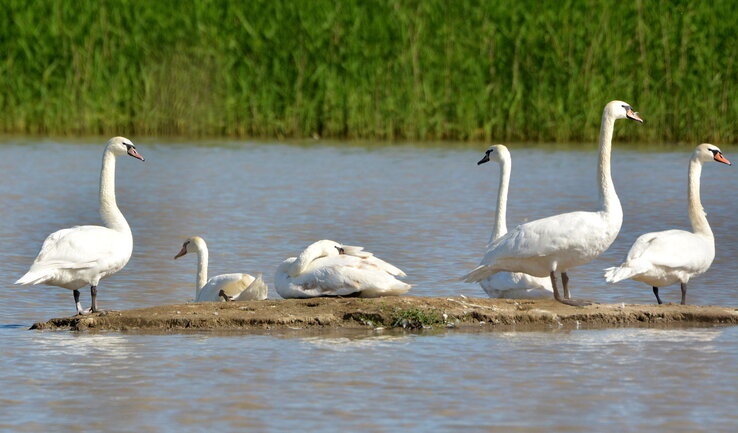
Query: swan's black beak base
(181,252)
(720,158)
(632,115)
(134,153)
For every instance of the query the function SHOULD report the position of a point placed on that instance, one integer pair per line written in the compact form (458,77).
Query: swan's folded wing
(676,249)
(352,250)
(77,248)
(256,290)
(344,275)
(231,284)
(546,236)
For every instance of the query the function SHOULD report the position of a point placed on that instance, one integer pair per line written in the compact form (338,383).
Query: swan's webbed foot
(575,302)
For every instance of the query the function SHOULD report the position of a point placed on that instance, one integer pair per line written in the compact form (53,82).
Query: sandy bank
(407,312)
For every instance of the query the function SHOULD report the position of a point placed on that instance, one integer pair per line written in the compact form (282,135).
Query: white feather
(320,270)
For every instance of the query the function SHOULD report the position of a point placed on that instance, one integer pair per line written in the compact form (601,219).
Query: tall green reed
(419,70)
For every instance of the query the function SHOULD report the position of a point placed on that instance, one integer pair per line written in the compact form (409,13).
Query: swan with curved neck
(327,268)
(83,255)
(227,287)
(674,256)
(509,285)
(561,242)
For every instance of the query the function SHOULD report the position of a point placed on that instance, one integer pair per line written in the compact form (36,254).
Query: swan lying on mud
(327,268)
(227,287)
(83,255)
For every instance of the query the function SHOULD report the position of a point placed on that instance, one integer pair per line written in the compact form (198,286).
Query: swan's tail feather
(478,274)
(33,277)
(619,273)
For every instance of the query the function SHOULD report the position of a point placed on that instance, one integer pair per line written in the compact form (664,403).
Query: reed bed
(375,69)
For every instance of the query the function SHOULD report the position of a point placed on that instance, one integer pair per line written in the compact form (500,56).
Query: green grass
(373,69)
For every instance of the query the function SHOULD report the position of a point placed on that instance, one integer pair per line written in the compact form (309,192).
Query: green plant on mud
(415,318)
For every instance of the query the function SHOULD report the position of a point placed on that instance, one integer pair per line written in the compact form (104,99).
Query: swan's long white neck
(697,215)
(201,278)
(501,215)
(109,213)
(308,255)
(608,197)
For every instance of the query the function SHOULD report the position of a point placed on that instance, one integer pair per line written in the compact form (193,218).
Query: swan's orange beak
(720,158)
(181,252)
(632,115)
(132,151)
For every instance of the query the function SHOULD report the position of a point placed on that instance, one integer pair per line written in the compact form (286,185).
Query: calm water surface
(428,211)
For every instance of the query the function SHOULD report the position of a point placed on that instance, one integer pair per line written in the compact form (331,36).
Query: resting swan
(227,287)
(560,242)
(83,255)
(664,258)
(327,268)
(509,285)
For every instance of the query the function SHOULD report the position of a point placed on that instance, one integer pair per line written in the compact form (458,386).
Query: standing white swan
(560,242)
(83,255)
(327,268)
(664,258)
(509,285)
(228,287)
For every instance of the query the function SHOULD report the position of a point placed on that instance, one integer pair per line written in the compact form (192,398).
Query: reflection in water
(427,210)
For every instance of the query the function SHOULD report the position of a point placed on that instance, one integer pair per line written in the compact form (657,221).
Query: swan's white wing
(231,284)
(344,275)
(257,290)
(564,232)
(77,248)
(677,249)
(352,250)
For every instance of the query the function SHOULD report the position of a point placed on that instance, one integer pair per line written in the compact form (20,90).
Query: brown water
(428,211)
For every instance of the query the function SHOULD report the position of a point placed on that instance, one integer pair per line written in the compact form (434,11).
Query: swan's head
(496,153)
(622,110)
(707,152)
(122,146)
(191,245)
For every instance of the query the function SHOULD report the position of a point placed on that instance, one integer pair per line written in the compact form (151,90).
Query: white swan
(664,258)
(83,255)
(509,285)
(327,268)
(227,287)
(560,242)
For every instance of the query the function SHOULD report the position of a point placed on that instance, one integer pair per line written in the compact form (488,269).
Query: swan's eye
(714,151)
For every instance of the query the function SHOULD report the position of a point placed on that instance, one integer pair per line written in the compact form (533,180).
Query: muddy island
(391,312)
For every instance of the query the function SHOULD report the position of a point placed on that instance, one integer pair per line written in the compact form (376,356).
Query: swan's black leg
(93,295)
(555,289)
(565,283)
(223,295)
(80,311)
(562,300)
(684,293)
(656,292)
